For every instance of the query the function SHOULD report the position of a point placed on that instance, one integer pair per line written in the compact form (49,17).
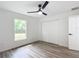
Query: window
(20,29)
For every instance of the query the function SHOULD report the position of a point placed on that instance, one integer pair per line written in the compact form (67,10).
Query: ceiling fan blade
(33,12)
(45,4)
(44,13)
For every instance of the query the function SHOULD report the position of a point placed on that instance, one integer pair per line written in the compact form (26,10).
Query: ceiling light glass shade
(39,12)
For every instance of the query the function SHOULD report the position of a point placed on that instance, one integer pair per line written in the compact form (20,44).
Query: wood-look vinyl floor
(40,50)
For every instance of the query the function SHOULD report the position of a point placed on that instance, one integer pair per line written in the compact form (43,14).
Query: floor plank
(40,50)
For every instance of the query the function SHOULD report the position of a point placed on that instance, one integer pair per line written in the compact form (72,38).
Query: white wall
(52,29)
(7,30)
(56,31)
(55,28)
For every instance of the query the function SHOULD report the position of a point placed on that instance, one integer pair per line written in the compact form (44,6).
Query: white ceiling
(53,8)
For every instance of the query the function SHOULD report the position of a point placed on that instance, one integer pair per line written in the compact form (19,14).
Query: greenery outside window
(20,29)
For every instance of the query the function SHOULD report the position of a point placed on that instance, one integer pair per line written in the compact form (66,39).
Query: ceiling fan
(41,7)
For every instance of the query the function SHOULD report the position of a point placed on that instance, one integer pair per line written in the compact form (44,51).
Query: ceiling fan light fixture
(39,12)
